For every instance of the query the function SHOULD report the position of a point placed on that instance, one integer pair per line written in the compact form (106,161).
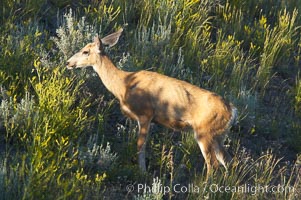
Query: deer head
(88,55)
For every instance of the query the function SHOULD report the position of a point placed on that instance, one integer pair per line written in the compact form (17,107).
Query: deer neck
(112,77)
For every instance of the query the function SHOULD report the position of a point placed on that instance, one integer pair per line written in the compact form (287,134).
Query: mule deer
(149,96)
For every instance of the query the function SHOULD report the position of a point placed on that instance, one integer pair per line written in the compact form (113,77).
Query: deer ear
(98,43)
(112,39)
(97,40)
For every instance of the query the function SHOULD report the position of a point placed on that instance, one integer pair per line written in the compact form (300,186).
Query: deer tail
(234,115)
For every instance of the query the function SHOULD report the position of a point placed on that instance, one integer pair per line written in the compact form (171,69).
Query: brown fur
(149,96)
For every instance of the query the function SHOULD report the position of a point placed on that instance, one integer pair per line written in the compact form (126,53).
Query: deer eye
(85,52)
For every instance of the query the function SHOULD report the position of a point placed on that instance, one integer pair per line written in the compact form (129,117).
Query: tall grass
(278,42)
(62,135)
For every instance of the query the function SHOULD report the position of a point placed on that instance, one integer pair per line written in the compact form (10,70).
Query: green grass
(62,135)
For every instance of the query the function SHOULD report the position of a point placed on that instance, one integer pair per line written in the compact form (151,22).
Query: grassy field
(62,135)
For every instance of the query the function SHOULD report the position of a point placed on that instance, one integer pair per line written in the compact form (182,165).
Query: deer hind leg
(143,124)
(221,154)
(206,144)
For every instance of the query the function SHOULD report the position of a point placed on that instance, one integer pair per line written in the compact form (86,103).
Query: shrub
(248,52)
(97,157)
(277,44)
(20,44)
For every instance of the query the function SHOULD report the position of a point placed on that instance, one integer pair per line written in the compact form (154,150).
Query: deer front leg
(143,124)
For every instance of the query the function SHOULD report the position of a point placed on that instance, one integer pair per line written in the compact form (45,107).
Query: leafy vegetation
(62,135)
